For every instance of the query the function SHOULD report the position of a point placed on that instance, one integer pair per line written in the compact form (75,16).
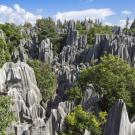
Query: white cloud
(126,12)
(122,23)
(80,15)
(17,15)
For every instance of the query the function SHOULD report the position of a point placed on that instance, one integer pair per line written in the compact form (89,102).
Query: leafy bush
(97,29)
(113,78)
(74,93)
(48,29)
(79,120)
(6,115)
(13,35)
(46,79)
(4,52)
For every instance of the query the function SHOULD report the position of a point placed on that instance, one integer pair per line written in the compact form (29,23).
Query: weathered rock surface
(90,100)
(18,81)
(55,123)
(121,45)
(45,51)
(118,121)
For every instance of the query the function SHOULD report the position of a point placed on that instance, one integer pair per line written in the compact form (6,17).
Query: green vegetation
(97,29)
(13,35)
(46,79)
(74,93)
(79,120)
(4,52)
(113,78)
(91,33)
(59,42)
(48,29)
(6,115)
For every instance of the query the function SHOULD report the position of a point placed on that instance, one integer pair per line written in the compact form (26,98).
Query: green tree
(79,120)
(113,78)
(74,93)
(6,115)
(47,28)
(4,52)
(97,29)
(91,37)
(46,79)
(13,35)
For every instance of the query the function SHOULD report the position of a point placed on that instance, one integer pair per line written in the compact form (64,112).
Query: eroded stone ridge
(118,121)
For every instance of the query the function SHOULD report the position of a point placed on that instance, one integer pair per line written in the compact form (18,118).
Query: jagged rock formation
(90,100)
(75,44)
(67,76)
(45,51)
(18,81)
(55,123)
(118,122)
(121,45)
(29,48)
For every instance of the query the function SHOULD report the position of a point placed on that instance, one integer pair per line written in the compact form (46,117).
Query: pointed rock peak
(118,121)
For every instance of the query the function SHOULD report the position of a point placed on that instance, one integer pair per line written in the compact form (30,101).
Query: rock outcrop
(45,51)
(120,45)
(90,100)
(18,81)
(74,46)
(118,121)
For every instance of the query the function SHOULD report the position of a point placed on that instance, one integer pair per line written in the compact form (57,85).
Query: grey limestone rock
(45,51)
(18,81)
(120,45)
(118,121)
(55,123)
(90,100)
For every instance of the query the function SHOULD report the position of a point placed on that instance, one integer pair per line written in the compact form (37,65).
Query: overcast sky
(109,11)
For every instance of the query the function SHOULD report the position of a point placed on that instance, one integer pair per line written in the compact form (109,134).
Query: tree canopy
(48,29)
(6,115)
(113,78)
(79,120)
(13,35)
(4,52)
(46,79)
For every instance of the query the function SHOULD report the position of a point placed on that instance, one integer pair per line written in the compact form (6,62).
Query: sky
(111,12)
